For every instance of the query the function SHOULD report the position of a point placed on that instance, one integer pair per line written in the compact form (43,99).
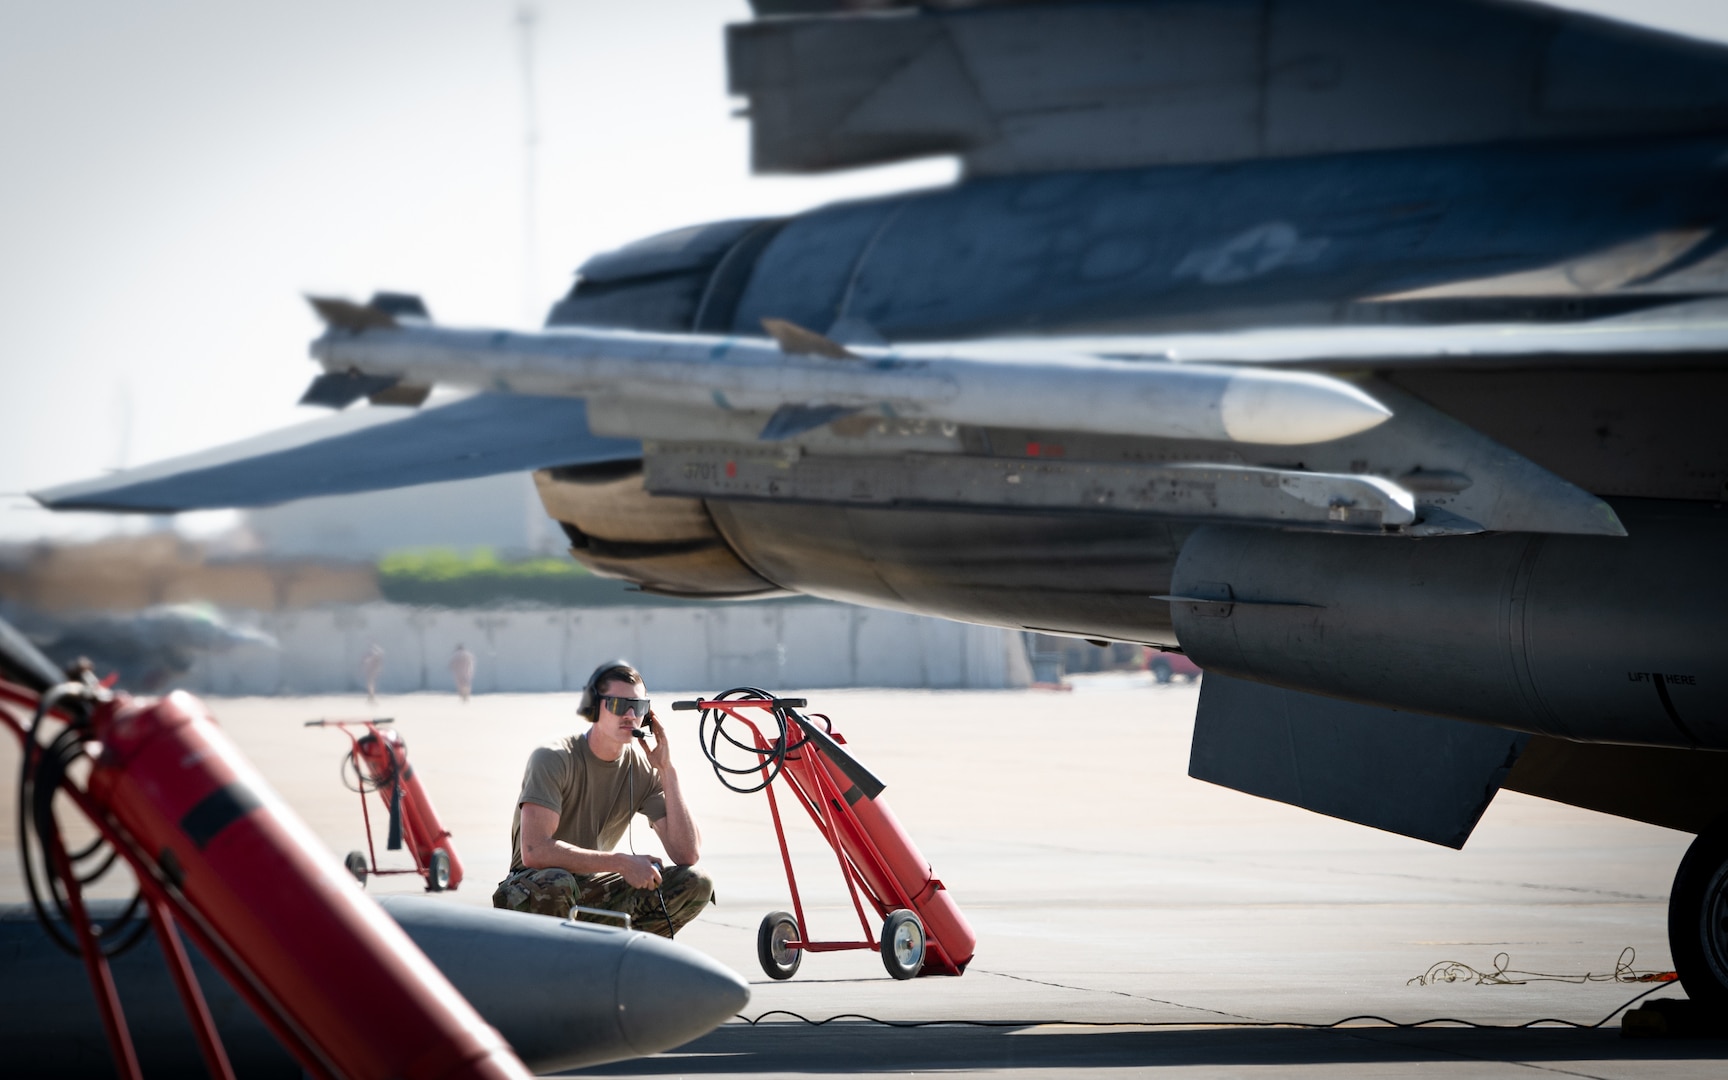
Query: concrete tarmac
(1129,918)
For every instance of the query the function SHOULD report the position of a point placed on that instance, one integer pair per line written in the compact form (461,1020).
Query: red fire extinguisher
(412,818)
(349,990)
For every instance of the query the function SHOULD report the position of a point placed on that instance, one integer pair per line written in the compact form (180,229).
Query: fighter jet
(144,650)
(1370,354)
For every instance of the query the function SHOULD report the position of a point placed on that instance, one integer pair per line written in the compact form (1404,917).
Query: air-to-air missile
(563,994)
(367,350)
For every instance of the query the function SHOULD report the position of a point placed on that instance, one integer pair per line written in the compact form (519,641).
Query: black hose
(781,745)
(42,772)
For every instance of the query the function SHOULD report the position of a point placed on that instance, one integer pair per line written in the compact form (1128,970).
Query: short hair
(619,670)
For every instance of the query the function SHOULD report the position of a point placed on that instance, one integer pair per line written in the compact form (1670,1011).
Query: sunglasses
(620,706)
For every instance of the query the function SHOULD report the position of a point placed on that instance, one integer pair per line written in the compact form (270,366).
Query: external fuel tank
(1596,639)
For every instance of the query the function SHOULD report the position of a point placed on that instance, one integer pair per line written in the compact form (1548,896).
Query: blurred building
(679,645)
(301,624)
(129,573)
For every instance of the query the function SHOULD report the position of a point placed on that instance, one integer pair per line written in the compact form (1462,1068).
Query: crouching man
(577,799)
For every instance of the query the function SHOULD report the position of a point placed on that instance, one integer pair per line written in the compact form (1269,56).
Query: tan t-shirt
(592,798)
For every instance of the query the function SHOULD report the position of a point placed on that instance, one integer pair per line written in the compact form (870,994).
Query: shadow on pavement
(861,1048)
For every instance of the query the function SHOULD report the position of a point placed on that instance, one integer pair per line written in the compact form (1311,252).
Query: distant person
(371,666)
(462,670)
(578,796)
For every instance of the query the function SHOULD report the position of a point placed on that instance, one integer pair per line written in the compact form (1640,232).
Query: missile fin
(790,420)
(338,390)
(798,341)
(342,314)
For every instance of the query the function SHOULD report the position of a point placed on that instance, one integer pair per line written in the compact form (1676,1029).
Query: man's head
(613,679)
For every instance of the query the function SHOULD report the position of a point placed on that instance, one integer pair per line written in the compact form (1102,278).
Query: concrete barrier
(705,647)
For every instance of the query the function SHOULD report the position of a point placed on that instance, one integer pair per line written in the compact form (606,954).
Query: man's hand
(638,871)
(659,755)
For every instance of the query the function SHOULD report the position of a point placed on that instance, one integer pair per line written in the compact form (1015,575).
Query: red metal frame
(162,904)
(828,808)
(379,754)
(420,866)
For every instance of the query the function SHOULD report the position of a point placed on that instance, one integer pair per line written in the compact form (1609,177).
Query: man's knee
(688,890)
(548,891)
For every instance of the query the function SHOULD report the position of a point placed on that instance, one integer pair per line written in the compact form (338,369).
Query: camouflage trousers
(554,892)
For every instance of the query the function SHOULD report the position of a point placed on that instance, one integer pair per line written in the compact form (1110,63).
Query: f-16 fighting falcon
(1384,385)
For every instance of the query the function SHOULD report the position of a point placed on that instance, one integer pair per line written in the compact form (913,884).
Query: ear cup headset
(589,708)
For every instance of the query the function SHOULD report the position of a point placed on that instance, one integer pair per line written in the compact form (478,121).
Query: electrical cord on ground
(1623,973)
(1361,1020)
(1500,974)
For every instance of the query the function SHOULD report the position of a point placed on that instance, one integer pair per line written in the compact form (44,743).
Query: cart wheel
(356,864)
(778,927)
(902,944)
(438,871)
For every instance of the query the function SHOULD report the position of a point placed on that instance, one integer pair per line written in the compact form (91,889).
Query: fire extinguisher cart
(378,759)
(923,931)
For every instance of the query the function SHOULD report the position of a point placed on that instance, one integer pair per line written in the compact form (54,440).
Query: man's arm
(677,830)
(541,852)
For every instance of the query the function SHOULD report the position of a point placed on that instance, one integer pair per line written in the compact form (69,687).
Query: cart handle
(748,703)
(345,723)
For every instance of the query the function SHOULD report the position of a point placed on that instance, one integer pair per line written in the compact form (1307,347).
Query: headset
(589,708)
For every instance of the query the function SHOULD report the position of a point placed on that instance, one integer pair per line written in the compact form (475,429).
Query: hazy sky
(177,173)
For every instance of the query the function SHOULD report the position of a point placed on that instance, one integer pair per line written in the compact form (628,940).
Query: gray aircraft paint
(1014,88)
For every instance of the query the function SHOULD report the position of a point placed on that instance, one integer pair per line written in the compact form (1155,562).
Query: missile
(372,350)
(563,994)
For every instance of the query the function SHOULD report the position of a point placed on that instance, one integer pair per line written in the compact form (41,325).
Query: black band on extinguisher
(216,811)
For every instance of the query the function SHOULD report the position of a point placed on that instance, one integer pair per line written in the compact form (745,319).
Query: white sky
(175,174)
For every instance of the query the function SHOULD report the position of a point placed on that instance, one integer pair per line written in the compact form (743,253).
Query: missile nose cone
(668,995)
(567,995)
(1291,408)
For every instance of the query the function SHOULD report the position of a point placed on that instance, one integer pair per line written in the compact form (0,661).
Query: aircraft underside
(1494,290)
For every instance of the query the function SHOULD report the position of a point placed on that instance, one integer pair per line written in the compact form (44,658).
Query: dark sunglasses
(618,706)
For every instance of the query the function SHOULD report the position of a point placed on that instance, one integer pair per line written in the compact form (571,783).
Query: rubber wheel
(903,944)
(1698,919)
(1160,668)
(779,962)
(438,871)
(357,865)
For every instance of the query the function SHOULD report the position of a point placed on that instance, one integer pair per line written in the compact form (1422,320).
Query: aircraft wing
(367,449)
(798,417)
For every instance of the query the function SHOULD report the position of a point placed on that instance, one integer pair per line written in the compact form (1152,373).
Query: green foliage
(443,564)
(440,577)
